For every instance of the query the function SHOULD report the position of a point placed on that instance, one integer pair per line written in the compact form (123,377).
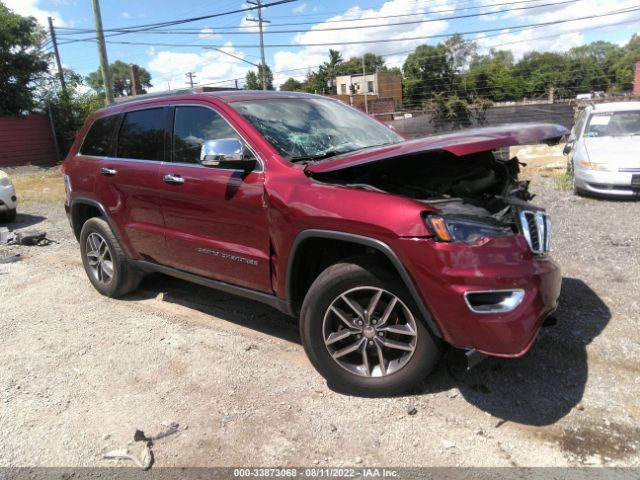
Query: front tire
(104,260)
(363,332)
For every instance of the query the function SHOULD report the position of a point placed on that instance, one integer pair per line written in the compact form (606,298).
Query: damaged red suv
(385,248)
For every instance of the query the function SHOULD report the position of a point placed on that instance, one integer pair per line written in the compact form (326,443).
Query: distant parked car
(8,200)
(584,96)
(604,150)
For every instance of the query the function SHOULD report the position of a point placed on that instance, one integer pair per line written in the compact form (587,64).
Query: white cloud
(31,8)
(300,8)
(521,42)
(210,66)
(310,57)
(559,37)
(208,32)
(125,15)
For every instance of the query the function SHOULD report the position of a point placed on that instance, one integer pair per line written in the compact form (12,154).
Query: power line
(279,74)
(151,26)
(387,40)
(456,17)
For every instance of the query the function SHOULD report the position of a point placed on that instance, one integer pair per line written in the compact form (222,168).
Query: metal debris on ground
(27,238)
(147,454)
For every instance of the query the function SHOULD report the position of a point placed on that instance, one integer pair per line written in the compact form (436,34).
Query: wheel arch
(297,252)
(82,209)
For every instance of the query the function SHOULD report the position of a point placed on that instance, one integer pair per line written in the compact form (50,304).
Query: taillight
(63,168)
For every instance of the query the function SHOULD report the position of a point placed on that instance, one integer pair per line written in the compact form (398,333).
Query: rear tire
(104,260)
(390,353)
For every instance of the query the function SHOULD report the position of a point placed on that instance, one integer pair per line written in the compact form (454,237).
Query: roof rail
(168,93)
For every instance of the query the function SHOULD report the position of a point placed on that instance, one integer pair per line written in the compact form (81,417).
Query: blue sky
(168,64)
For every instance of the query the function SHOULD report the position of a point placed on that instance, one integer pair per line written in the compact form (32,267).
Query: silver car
(604,150)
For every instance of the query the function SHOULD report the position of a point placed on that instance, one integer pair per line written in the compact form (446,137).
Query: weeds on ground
(40,186)
(563,182)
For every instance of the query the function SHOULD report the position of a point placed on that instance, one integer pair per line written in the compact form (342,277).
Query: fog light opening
(493,301)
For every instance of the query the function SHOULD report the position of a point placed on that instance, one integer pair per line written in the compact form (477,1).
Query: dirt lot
(79,373)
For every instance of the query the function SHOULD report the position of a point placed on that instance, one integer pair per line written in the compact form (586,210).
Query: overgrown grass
(563,182)
(39,186)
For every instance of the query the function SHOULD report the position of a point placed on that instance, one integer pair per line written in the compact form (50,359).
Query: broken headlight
(457,229)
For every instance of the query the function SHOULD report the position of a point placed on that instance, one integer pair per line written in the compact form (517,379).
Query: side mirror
(228,153)
(568,147)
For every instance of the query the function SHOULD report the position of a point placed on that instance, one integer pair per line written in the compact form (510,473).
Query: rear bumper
(443,273)
(606,183)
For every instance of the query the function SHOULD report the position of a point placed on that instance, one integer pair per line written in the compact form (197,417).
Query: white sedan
(8,200)
(604,150)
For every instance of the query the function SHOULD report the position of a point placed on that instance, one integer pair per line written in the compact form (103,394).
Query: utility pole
(102,53)
(261,70)
(365,86)
(191,76)
(52,32)
(135,80)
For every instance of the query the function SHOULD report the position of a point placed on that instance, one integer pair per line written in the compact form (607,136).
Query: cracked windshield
(311,129)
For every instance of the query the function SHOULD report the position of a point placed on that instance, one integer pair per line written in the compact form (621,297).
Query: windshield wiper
(319,156)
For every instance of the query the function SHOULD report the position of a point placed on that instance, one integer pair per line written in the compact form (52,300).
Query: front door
(215,219)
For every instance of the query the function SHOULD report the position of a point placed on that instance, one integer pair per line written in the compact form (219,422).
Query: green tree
(120,78)
(624,69)
(22,61)
(592,66)
(461,52)
(70,110)
(353,66)
(291,85)
(493,76)
(427,71)
(540,72)
(253,80)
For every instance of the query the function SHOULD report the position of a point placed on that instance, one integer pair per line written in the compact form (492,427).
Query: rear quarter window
(99,138)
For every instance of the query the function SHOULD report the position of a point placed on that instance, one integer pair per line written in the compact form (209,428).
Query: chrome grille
(536,228)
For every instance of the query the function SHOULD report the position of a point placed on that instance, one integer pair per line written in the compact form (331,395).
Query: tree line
(456,69)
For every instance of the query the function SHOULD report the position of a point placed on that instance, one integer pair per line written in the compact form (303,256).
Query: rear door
(128,185)
(216,223)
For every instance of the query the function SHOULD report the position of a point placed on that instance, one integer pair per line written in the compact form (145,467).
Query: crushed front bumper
(444,272)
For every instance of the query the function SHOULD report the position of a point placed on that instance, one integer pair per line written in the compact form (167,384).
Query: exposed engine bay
(478,185)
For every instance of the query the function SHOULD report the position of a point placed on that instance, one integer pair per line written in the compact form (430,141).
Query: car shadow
(24,220)
(228,307)
(545,384)
(537,389)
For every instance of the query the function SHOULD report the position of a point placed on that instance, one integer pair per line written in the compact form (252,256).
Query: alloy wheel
(370,332)
(99,258)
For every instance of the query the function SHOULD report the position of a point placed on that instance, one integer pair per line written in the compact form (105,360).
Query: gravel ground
(83,372)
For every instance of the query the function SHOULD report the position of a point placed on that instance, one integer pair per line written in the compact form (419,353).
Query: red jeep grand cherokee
(386,248)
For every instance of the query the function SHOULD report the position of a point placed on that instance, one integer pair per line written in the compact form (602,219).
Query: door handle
(174,179)
(108,171)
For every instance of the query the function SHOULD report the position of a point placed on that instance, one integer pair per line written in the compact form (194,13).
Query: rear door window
(192,127)
(141,135)
(99,139)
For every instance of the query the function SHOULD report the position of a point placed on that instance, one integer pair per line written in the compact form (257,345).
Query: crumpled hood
(464,142)
(622,151)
